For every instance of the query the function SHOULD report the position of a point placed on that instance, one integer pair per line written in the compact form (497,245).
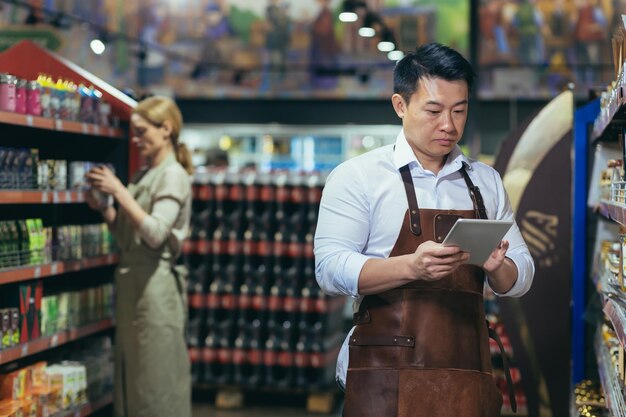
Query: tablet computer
(479,237)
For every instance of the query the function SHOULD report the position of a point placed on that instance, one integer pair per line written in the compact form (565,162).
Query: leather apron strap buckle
(507,372)
(361,317)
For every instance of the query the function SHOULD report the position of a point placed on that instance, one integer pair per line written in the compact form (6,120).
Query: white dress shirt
(363,205)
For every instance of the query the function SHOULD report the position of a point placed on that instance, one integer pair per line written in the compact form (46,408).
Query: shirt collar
(403,155)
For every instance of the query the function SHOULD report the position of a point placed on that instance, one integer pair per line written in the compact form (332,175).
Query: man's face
(434,119)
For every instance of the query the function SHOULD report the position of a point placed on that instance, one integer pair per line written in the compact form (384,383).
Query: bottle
(21,101)
(33,98)
(8,85)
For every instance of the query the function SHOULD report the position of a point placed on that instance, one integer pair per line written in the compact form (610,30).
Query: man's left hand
(496,259)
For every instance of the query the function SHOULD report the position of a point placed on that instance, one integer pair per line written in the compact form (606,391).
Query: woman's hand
(103,179)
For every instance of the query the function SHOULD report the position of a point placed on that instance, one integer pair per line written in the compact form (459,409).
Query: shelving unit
(26,273)
(56,340)
(63,126)
(58,139)
(258,320)
(608,377)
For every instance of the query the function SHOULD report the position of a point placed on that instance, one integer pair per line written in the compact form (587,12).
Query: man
(420,342)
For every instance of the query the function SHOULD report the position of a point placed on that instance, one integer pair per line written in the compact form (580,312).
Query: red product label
(321,305)
(269,358)
(290,304)
(209,355)
(297,195)
(294,249)
(266,193)
(235,192)
(196,300)
(224,355)
(188,246)
(252,192)
(203,247)
(245,301)
(308,250)
(221,192)
(255,357)
(239,356)
(194,354)
(301,359)
(212,301)
(249,247)
(259,302)
(314,195)
(282,194)
(285,359)
(204,193)
(264,248)
(228,301)
(233,247)
(219,246)
(274,303)
(317,360)
(279,248)
(306,305)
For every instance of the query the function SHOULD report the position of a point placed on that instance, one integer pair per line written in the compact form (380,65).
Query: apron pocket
(446,393)
(371,393)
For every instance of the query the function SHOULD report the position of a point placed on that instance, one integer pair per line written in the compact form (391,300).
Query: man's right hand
(433,261)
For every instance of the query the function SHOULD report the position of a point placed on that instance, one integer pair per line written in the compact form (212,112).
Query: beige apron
(421,350)
(152,368)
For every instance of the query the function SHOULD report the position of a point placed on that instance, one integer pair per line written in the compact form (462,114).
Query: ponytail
(183,156)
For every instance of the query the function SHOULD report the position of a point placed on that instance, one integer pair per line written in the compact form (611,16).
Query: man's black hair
(432,60)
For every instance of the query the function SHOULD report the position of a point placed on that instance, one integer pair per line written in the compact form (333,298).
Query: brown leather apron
(422,350)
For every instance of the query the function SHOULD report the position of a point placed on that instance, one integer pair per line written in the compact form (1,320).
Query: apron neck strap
(477,198)
(414,211)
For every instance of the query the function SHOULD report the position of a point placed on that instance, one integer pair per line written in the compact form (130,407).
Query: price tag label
(85,128)
(55,197)
(96,130)
(37,272)
(44,197)
(58,124)
(54,341)
(54,269)
(30,121)
(24,350)
(80,196)
(68,196)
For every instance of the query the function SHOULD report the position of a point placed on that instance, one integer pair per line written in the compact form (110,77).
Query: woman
(152,370)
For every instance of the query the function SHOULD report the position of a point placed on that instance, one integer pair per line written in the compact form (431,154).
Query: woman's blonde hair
(157,110)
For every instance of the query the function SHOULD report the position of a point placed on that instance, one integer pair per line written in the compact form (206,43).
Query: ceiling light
(97,46)
(348,17)
(395,55)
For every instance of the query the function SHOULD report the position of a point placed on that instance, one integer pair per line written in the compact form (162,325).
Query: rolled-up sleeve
(172,190)
(518,251)
(341,234)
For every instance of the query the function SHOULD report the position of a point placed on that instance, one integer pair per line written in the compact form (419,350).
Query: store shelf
(49,342)
(41,197)
(615,310)
(65,126)
(608,113)
(608,377)
(55,268)
(613,211)
(86,409)
(303,305)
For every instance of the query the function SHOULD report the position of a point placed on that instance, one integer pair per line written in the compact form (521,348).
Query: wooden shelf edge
(60,125)
(58,339)
(41,197)
(55,268)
